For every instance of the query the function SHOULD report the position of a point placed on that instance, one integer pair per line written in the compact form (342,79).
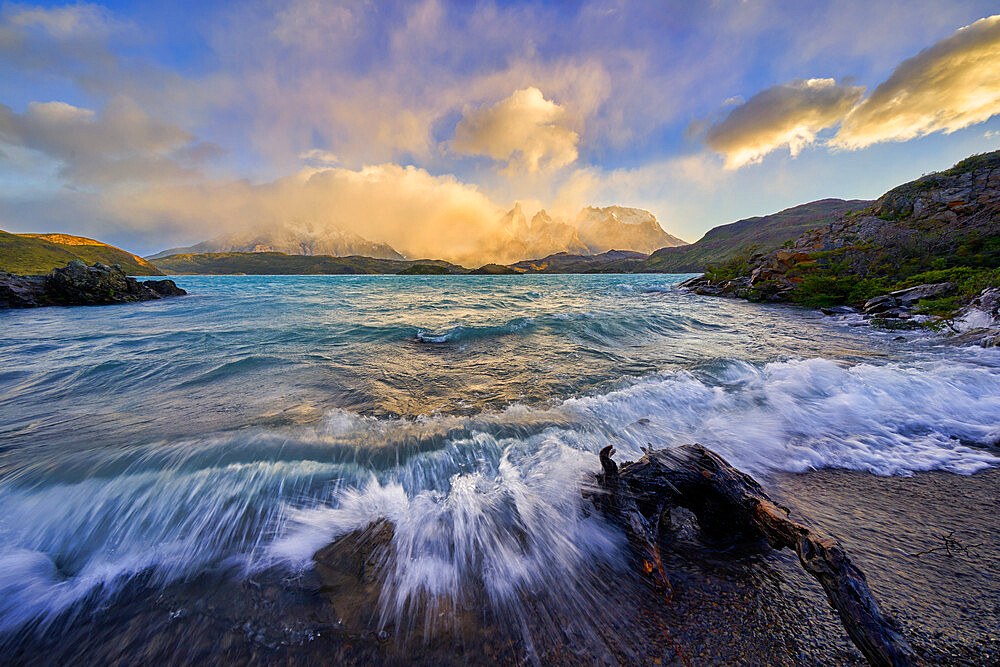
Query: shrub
(736,266)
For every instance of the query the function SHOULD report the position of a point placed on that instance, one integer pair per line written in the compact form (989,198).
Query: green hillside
(942,229)
(36,254)
(612,261)
(765,232)
(278,263)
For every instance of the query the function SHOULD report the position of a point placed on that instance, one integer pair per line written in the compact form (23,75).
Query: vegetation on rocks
(941,228)
(765,233)
(37,254)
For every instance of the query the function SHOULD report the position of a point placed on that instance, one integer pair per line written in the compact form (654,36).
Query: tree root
(725,501)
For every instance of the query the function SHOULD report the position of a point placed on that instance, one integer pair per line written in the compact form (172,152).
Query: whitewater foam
(491,499)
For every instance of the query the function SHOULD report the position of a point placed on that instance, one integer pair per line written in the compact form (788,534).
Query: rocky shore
(80,285)
(975,323)
(925,253)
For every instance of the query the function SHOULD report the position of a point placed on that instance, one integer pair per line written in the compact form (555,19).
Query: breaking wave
(493,498)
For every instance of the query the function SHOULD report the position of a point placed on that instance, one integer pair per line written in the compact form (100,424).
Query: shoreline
(731,603)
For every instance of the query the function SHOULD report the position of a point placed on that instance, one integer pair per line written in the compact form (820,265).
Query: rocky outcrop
(940,221)
(622,228)
(737,288)
(80,285)
(21,291)
(922,215)
(979,321)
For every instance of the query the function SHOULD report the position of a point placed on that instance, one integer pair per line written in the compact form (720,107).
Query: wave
(605,327)
(489,502)
(461,332)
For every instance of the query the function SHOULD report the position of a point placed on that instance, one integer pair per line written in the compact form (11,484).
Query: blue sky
(149,125)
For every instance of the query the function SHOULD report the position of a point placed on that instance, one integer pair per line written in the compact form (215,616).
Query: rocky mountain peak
(622,228)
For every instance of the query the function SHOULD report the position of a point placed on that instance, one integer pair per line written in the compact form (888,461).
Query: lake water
(250,423)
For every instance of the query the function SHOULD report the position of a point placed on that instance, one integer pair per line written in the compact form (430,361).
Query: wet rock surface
(80,285)
(733,602)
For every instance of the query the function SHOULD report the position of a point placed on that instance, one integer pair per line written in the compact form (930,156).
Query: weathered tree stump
(640,495)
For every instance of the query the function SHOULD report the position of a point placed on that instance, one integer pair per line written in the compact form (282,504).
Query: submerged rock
(352,570)
(838,310)
(80,285)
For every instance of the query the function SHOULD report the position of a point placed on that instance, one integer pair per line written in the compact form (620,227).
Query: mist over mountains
(516,237)
(294,239)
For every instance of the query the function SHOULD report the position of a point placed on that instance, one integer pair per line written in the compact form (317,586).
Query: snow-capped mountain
(596,230)
(293,239)
(622,228)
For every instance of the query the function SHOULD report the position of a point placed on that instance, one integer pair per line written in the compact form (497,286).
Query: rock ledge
(80,285)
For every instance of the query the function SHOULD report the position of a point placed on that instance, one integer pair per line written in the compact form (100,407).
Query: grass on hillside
(28,255)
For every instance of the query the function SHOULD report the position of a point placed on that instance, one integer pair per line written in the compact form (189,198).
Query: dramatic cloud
(120,145)
(951,85)
(603,94)
(525,130)
(417,213)
(789,114)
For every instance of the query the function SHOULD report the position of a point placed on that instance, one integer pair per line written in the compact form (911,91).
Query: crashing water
(251,423)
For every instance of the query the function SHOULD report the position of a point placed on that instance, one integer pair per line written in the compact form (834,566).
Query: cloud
(71,39)
(788,114)
(319,156)
(83,20)
(525,130)
(418,213)
(953,84)
(120,145)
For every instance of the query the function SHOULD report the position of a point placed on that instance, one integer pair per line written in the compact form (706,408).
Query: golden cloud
(525,130)
(417,213)
(953,84)
(788,114)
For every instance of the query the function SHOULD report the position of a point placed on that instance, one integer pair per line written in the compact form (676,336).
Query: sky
(152,125)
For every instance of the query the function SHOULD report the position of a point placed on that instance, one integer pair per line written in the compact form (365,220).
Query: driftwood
(726,501)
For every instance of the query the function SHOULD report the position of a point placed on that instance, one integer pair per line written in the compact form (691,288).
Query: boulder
(353,569)
(988,301)
(838,310)
(896,314)
(983,337)
(880,304)
(911,295)
(697,281)
(164,287)
(21,291)
(761,273)
(78,284)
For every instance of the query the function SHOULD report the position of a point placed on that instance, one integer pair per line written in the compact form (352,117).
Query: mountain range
(612,239)
(293,239)
(595,231)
